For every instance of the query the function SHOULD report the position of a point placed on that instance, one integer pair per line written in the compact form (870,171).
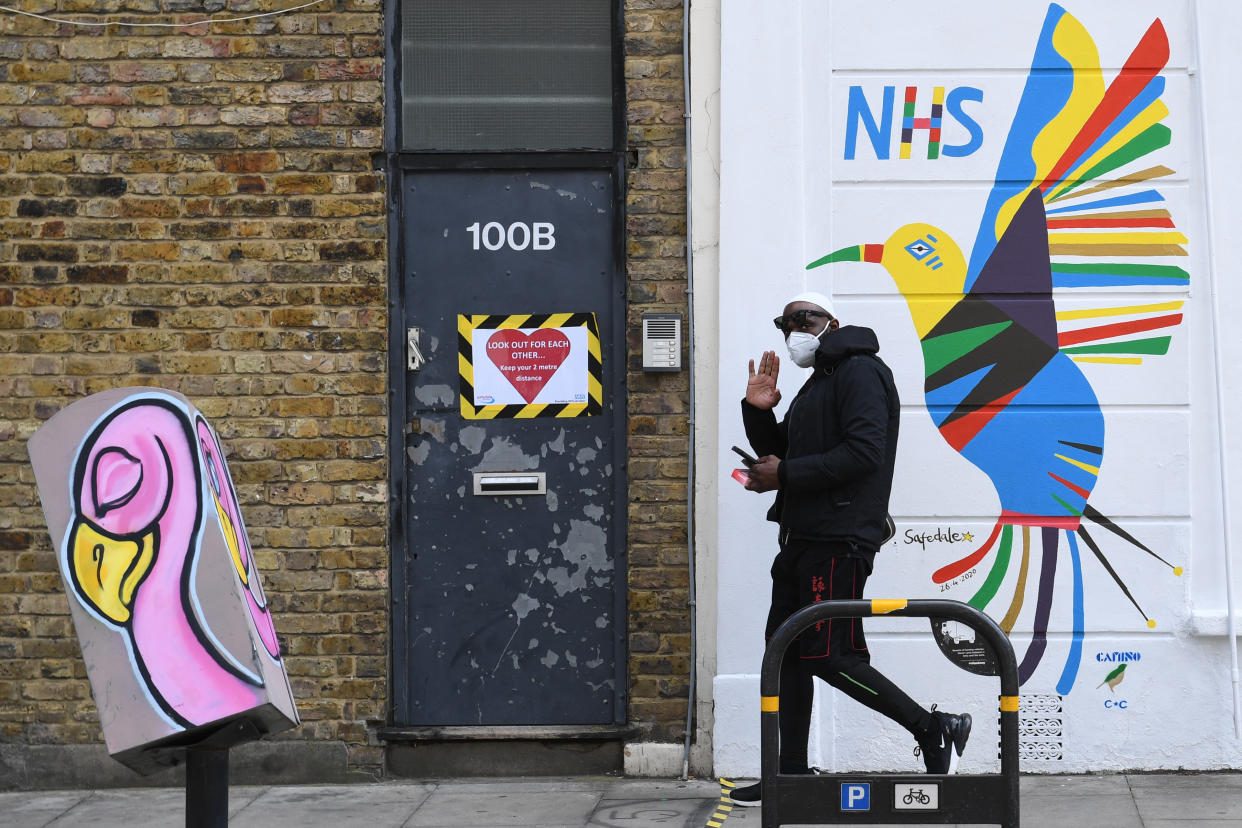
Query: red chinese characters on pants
(817,595)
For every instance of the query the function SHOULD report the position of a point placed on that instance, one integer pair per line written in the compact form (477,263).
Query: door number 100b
(539,235)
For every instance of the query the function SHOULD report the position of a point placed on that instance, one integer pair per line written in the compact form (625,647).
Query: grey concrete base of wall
(503,758)
(50,767)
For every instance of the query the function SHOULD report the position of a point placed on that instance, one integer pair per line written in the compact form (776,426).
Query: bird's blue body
(1036,436)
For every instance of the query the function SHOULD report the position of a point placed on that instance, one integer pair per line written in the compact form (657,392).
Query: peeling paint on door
(472,438)
(505,455)
(435,394)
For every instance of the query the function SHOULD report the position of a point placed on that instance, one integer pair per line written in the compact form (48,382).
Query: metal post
(206,787)
(807,798)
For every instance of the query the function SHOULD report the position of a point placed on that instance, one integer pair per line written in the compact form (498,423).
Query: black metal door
(511,605)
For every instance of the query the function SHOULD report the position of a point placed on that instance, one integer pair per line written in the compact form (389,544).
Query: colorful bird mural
(1072,206)
(131,549)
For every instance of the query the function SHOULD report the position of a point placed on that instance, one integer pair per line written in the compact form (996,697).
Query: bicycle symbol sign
(916,797)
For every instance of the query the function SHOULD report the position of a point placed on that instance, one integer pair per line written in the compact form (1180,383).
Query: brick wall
(659,639)
(196,209)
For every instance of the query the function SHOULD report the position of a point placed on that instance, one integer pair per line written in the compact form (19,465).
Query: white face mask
(802,347)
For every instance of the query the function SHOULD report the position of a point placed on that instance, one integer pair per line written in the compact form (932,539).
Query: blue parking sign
(855,796)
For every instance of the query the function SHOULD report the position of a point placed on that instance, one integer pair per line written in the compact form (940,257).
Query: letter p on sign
(855,796)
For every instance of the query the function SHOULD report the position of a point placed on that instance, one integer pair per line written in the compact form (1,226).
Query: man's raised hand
(761,390)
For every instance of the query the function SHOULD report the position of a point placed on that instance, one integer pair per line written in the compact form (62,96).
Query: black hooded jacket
(837,445)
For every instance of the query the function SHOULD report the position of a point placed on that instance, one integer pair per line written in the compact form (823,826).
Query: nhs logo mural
(875,128)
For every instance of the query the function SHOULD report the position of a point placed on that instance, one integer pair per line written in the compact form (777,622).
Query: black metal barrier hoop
(970,798)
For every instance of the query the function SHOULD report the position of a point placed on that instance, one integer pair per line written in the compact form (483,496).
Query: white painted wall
(787,196)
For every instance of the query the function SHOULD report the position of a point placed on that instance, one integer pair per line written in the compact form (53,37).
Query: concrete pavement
(1209,800)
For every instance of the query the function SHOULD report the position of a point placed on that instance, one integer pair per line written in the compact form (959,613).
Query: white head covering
(815,299)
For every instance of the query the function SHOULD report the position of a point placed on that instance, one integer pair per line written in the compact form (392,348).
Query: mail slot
(510,483)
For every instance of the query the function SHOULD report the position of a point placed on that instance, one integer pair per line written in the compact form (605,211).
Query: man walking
(831,463)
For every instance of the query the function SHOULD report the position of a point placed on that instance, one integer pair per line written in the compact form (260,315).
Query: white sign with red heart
(530,365)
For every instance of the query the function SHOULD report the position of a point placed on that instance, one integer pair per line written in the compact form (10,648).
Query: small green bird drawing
(1113,679)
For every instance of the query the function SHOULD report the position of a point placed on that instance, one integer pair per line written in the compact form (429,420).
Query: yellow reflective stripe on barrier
(881,606)
(769,704)
(1009,704)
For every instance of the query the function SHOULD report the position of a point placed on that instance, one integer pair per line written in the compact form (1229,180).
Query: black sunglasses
(798,318)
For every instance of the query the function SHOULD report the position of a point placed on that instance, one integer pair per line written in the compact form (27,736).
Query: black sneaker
(747,797)
(948,738)
(751,796)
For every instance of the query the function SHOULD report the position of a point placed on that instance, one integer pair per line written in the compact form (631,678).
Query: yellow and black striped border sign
(466,325)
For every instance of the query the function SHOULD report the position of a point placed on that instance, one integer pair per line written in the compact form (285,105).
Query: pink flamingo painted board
(163,588)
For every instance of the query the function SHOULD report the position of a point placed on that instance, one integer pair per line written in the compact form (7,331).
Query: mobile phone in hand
(746,458)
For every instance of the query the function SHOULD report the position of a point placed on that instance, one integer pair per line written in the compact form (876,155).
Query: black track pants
(834,650)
